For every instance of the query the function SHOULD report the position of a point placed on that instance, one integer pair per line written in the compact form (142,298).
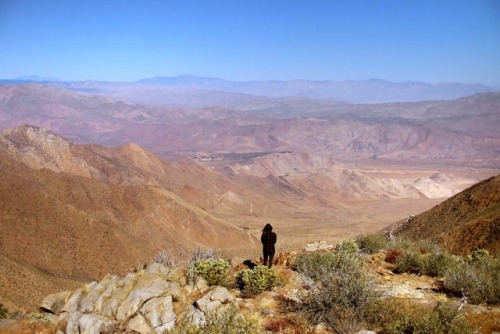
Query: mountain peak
(30,135)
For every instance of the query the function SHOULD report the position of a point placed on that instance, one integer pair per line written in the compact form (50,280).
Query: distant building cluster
(206,156)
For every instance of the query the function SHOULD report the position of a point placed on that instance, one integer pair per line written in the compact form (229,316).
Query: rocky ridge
(159,297)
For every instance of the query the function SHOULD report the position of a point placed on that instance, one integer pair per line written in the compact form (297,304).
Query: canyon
(94,184)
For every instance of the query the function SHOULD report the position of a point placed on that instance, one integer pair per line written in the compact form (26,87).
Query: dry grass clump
(288,325)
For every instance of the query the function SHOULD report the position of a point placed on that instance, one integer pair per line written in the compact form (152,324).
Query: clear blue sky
(397,40)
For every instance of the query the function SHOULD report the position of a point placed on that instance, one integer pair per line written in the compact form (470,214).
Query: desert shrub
(409,262)
(3,312)
(343,289)
(396,316)
(347,247)
(166,258)
(477,277)
(434,263)
(392,255)
(427,247)
(34,316)
(401,243)
(219,321)
(212,270)
(257,280)
(346,288)
(371,243)
(437,264)
(316,265)
(198,254)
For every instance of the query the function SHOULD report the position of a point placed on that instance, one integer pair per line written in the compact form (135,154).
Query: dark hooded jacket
(268,240)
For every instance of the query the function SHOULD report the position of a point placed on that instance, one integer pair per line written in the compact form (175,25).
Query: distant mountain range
(352,91)
(461,132)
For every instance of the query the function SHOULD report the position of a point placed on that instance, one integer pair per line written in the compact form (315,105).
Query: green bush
(347,247)
(343,289)
(347,287)
(3,312)
(371,243)
(434,264)
(212,270)
(35,316)
(317,265)
(409,262)
(219,321)
(257,280)
(396,316)
(437,264)
(477,277)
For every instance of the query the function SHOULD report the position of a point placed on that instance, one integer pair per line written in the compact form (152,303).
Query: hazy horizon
(37,78)
(422,41)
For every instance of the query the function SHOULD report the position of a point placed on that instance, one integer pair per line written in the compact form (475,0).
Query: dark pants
(268,259)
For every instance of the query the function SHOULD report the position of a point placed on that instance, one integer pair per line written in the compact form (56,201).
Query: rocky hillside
(71,214)
(464,222)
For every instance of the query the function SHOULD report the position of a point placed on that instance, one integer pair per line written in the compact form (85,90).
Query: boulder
(88,302)
(110,289)
(139,324)
(93,323)
(72,322)
(214,299)
(319,245)
(159,312)
(54,303)
(123,288)
(194,316)
(149,286)
(201,284)
(73,302)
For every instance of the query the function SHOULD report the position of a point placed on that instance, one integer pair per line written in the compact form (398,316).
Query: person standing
(268,240)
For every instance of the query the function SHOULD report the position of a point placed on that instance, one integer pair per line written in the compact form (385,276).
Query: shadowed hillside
(466,221)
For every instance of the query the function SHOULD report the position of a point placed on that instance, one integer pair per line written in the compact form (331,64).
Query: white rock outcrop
(141,302)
